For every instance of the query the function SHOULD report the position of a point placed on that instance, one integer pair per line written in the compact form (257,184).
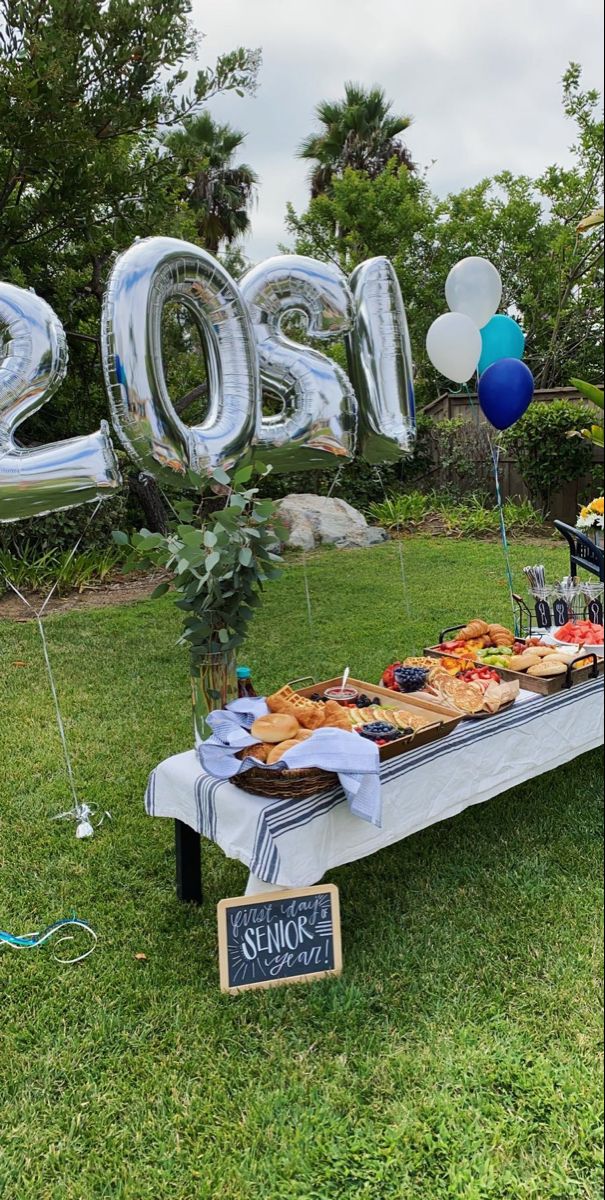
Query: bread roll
(547,667)
(276,727)
(520,662)
(278,752)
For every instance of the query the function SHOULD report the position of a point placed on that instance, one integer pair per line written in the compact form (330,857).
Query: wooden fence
(564,503)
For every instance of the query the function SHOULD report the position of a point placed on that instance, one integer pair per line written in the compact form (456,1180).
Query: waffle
(308,713)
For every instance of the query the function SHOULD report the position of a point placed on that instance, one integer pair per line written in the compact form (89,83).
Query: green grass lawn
(458,1055)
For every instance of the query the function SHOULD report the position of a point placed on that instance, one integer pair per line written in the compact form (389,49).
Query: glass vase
(213,686)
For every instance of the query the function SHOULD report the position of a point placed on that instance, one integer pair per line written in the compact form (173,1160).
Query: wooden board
(292,936)
(438,719)
(533,683)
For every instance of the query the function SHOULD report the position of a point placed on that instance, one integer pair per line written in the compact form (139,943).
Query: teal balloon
(500,338)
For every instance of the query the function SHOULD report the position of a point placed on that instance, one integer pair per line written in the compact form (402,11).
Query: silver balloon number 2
(152,273)
(316,421)
(33,362)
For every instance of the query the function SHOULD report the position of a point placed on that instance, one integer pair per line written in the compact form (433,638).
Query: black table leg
(188,863)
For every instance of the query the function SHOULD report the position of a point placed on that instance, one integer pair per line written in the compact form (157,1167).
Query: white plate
(551,640)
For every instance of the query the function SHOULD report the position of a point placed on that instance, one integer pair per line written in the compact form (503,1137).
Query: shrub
(399,509)
(547,456)
(359,483)
(59,531)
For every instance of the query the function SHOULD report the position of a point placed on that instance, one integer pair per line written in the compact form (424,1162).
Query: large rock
(319,520)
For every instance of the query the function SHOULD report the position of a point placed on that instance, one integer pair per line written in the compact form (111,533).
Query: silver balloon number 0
(148,276)
(33,362)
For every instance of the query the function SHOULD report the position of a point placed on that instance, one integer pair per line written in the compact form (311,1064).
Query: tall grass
(38,572)
(473,516)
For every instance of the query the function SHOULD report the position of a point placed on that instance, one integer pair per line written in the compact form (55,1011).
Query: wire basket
(297,784)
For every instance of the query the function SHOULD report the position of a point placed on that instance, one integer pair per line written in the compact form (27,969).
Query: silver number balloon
(380,360)
(33,362)
(317,424)
(151,273)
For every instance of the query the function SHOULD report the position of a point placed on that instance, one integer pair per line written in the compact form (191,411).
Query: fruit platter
(539,663)
(474,691)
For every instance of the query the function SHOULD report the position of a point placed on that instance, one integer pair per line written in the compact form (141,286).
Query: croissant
(475,629)
(501,636)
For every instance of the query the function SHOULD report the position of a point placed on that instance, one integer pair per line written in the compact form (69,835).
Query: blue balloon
(505,391)
(500,338)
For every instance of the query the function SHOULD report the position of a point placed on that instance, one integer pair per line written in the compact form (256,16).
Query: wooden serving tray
(544,687)
(438,719)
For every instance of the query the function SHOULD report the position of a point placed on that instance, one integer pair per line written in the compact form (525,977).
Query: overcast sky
(481,79)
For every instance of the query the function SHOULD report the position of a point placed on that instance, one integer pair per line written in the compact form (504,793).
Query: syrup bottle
(245,686)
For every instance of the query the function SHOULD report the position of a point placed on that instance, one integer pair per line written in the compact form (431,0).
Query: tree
(552,278)
(359,132)
(86,92)
(218,192)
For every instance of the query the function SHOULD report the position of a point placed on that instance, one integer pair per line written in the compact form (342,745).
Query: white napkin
(354,759)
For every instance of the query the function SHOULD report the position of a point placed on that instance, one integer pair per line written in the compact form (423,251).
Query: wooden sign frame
(222,910)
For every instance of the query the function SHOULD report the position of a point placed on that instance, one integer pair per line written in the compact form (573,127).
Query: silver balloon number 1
(33,362)
(380,360)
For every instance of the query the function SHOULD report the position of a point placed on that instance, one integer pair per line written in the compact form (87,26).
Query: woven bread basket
(298,784)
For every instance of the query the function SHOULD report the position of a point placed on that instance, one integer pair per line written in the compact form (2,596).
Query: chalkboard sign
(560,612)
(595,612)
(279,937)
(543,616)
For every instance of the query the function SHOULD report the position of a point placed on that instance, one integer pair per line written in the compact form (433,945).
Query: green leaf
(245,556)
(589,391)
(242,476)
(120,538)
(210,539)
(212,560)
(160,590)
(221,476)
(223,635)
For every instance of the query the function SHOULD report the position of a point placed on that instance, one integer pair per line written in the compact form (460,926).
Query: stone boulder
(320,520)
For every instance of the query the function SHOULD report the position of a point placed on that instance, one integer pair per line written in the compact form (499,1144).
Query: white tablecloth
(288,843)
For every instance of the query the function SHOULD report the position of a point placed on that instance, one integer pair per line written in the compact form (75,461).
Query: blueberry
(411,679)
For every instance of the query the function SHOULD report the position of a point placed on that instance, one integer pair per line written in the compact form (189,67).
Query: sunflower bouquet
(591,515)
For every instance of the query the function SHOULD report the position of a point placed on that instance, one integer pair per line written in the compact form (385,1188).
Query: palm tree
(219,192)
(360,132)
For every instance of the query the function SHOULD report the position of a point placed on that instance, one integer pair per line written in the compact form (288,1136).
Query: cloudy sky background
(481,79)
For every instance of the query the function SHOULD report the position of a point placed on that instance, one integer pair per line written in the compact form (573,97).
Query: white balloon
(453,345)
(474,287)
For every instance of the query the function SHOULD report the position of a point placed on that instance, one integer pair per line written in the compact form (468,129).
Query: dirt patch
(117,591)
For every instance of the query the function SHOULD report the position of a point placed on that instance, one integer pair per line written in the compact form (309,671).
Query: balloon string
(495,449)
(38,614)
(404,585)
(32,941)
